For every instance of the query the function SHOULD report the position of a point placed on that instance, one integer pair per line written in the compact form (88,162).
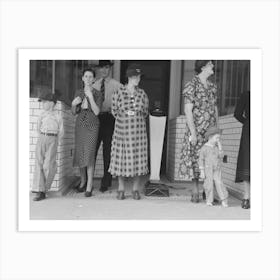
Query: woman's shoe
(246,204)
(120,195)
(136,195)
(89,194)
(39,196)
(82,189)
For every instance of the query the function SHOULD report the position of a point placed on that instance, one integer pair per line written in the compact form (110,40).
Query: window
(40,76)
(233,79)
(60,76)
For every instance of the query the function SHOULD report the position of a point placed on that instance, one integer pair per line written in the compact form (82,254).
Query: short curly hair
(88,70)
(199,64)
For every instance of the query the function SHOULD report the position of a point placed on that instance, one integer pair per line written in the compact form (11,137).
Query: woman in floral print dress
(129,151)
(201,112)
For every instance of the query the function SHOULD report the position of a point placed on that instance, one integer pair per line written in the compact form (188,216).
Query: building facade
(163,83)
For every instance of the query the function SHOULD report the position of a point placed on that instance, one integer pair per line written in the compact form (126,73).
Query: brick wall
(230,141)
(176,131)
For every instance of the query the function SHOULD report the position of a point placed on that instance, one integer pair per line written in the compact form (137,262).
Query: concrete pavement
(105,206)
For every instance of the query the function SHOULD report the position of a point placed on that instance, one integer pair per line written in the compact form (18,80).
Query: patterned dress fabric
(204,101)
(86,132)
(129,151)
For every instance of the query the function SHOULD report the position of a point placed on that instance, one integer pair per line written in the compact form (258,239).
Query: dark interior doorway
(156,85)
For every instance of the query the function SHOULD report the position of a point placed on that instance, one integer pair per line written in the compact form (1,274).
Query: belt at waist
(105,113)
(48,134)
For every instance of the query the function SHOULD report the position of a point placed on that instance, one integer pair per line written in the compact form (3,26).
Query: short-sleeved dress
(204,101)
(86,132)
(242,114)
(129,151)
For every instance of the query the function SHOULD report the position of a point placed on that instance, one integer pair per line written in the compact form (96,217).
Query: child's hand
(202,174)
(219,145)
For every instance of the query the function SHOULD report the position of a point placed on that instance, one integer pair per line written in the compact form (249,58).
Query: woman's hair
(199,64)
(88,70)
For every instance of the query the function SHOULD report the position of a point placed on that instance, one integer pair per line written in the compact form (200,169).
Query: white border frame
(24,222)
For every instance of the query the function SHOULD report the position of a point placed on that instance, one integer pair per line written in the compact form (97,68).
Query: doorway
(156,85)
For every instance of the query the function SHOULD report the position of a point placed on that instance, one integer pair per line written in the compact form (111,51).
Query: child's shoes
(209,204)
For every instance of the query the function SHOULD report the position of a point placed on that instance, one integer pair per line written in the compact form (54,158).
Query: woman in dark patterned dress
(201,112)
(242,114)
(86,130)
(129,152)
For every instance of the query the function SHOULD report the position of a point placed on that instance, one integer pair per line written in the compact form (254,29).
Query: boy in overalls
(210,162)
(50,130)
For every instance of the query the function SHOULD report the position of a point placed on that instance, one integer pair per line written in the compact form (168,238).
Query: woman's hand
(193,139)
(76,101)
(87,91)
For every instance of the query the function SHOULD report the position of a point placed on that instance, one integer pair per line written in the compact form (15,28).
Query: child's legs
(208,186)
(221,189)
(50,161)
(39,179)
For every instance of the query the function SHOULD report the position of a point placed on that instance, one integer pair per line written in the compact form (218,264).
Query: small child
(210,161)
(50,130)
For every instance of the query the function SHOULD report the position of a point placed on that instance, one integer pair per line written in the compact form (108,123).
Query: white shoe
(224,204)
(209,203)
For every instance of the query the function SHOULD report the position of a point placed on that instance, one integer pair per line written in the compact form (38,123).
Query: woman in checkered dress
(129,152)
(86,130)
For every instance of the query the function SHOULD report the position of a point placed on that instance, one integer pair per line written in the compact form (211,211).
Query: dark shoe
(246,204)
(103,189)
(39,196)
(82,189)
(136,195)
(120,195)
(89,194)
(195,198)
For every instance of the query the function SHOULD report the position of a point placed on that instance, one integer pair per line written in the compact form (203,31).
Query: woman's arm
(216,115)
(239,109)
(115,109)
(146,105)
(190,122)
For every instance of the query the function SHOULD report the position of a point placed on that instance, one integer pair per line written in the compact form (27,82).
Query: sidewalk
(105,206)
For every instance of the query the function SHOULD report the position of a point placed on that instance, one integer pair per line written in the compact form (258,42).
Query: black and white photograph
(143,139)
(139,139)
(169,138)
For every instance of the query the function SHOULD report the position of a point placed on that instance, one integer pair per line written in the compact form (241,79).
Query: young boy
(50,130)
(210,161)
